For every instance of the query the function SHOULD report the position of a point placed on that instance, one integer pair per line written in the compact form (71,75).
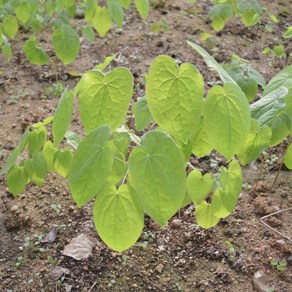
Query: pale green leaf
(116,11)
(288,33)
(199,186)
(22,11)
(175,96)
(157,173)
(119,168)
(270,111)
(66,43)
(142,7)
(143,116)
(212,64)
(89,10)
(48,154)
(205,215)
(249,17)
(228,119)
(62,161)
(102,21)
(218,22)
(125,3)
(35,54)
(91,165)
(10,26)
(217,204)
(118,218)
(62,116)
(88,33)
(105,98)
(200,141)
(36,169)
(16,180)
(37,139)
(231,183)
(72,139)
(257,140)
(288,157)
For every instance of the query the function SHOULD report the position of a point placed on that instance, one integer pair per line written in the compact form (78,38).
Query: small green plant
(281,265)
(245,76)
(52,261)
(55,90)
(35,15)
(231,252)
(249,12)
(19,262)
(128,174)
(277,51)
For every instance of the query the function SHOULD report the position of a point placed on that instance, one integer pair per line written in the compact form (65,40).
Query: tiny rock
(176,223)
(159,268)
(14,208)
(261,281)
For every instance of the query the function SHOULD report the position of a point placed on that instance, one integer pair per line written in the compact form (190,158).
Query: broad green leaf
(91,165)
(119,168)
(185,149)
(125,3)
(66,43)
(228,119)
(36,169)
(62,117)
(24,140)
(122,142)
(288,157)
(157,173)
(62,161)
(116,11)
(200,140)
(15,153)
(35,54)
(218,22)
(257,140)
(22,11)
(142,114)
(270,111)
(205,215)
(72,139)
(10,26)
(6,50)
(102,21)
(89,10)
(118,218)
(249,17)
(175,96)
(10,161)
(16,180)
(88,33)
(288,33)
(212,63)
(231,183)
(37,139)
(199,186)
(105,98)
(48,153)
(142,7)
(249,87)
(283,78)
(217,204)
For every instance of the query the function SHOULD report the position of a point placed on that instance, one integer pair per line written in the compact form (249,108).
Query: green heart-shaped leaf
(62,161)
(36,169)
(118,218)
(228,118)
(205,216)
(16,179)
(37,139)
(91,165)
(104,98)
(199,186)
(175,96)
(157,173)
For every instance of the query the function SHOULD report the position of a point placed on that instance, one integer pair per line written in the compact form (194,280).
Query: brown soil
(181,256)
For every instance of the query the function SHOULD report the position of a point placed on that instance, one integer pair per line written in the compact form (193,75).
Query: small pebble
(176,223)
(21,248)
(14,208)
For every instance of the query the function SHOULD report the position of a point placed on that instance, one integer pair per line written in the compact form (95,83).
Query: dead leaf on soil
(50,236)
(80,247)
(57,272)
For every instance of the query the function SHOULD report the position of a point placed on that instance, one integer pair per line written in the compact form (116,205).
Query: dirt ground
(181,256)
